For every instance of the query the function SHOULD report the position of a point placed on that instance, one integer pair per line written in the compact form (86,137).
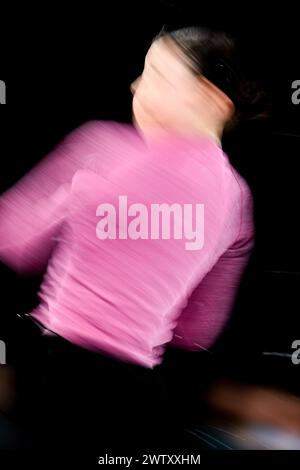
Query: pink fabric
(126,297)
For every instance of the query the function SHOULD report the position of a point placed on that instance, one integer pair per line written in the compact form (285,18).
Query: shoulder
(97,130)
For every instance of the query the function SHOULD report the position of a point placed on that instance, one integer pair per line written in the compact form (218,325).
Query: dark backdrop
(63,68)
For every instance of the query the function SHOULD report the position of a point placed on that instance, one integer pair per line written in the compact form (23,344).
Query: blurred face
(164,89)
(168,95)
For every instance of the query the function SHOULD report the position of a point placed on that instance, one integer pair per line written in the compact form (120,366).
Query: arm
(32,211)
(210,304)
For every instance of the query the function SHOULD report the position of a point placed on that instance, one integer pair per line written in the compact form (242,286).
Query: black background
(65,66)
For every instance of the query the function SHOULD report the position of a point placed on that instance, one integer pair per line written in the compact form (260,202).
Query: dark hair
(214,55)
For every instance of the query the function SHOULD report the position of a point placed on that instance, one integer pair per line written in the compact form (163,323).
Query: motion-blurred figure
(249,417)
(109,301)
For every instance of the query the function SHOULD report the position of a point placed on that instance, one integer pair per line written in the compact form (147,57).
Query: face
(165,89)
(169,95)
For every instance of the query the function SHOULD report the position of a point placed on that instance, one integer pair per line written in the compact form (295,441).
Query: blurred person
(248,416)
(110,302)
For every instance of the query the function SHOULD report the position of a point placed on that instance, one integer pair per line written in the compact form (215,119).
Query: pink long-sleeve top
(130,295)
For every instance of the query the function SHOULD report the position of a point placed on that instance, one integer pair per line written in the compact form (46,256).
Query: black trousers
(68,396)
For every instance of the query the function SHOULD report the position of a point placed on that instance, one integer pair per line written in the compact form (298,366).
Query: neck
(157,132)
(213,131)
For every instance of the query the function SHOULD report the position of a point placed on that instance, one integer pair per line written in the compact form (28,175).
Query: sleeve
(211,302)
(31,212)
